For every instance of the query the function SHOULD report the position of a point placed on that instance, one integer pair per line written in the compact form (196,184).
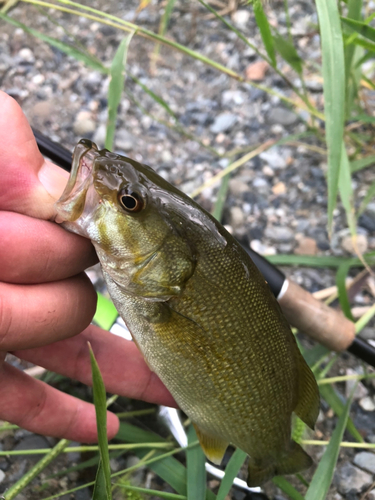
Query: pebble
(237,187)
(306,246)
(367,221)
(350,479)
(241,17)
(362,244)
(282,116)
(365,460)
(279,188)
(223,122)
(360,391)
(262,249)
(237,217)
(84,124)
(279,234)
(257,71)
(367,403)
(2,476)
(274,158)
(43,109)
(26,55)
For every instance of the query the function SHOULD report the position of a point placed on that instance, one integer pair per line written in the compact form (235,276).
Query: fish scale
(198,309)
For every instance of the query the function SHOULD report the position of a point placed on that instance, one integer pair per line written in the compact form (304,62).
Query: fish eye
(131,201)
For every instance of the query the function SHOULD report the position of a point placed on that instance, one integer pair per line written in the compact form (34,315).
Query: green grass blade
(366,200)
(341,274)
(368,161)
(196,472)
(100,490)
(265,30)
(218,209)
(360,27)
(101,422)
(287,488)
(322,478)
(106,312)
(288,52)
(154,96)
(333,68)
(335,402)
(231,470)
(318,261)
(346,191)
(156,493)
(116,86)
(67,49)
(14,490)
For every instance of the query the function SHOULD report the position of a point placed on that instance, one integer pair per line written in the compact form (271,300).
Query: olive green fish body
(198,309)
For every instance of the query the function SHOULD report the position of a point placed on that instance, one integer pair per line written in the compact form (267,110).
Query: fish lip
(80,177)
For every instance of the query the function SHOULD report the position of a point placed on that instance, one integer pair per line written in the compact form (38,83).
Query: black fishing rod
(322,323)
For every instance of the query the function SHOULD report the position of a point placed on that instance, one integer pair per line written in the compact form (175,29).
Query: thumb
(30,185)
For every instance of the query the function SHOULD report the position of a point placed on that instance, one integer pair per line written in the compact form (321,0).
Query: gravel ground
(277,201)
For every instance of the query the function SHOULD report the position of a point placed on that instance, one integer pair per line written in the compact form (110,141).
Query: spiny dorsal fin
(213,447)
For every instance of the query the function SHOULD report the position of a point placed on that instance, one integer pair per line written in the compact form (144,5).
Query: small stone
(237,217)
(237,187)
(241,17)
(367,404)
(258,247)
(259,182)
(233,97)
(279,188)
(365,460)
(279,234)
(306,246)
(360,391)
(166,156)
(99,136)
(223,122)
(2,476)
(350,479)
(367,220)
(257,71)
(124,140)
(273,158)
(42,109)
(84,124)
(282,116)
(26,55)
(361,243)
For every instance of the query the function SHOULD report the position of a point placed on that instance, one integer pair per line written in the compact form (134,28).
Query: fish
(198,309)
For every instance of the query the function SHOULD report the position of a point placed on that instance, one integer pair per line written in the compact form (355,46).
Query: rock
(259,182)
(99,136)
(367,403)
(232,97)
(361,240)
(241,18)
(258,247)
(84,124)
(257,71)
(237,217)
(367,221)
(237,187)
(42,109)
(33,442)
(279,234)
(350,479)
(124,141)
(282,116)
(365,460)
(360,392)
(223,122)
(273,158)
(306,246)
(26,56)
(2,476)
(279,188)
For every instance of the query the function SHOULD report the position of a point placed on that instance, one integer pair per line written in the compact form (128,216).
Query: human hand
(47,302)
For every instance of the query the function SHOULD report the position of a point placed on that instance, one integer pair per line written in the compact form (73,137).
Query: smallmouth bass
(198,309)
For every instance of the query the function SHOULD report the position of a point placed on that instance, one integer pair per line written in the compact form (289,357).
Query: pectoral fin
(213,447)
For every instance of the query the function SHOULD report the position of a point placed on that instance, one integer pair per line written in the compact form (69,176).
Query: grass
(338,135)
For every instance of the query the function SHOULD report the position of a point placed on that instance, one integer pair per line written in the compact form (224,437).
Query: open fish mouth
(71,204)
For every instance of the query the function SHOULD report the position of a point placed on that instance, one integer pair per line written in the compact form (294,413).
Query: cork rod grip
(322,323)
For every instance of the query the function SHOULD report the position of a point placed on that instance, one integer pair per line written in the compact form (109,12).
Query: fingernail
(53,179)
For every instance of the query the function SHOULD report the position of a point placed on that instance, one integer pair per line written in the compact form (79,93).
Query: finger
(38,407)
(33,315)
(29,184)
(36,251)
(122,366)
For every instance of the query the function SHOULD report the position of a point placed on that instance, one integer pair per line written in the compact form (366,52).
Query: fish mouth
(71,204)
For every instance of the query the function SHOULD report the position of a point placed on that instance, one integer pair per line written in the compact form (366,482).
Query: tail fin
(295,460)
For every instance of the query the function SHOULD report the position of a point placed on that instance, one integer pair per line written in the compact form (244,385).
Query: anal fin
(213,447)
